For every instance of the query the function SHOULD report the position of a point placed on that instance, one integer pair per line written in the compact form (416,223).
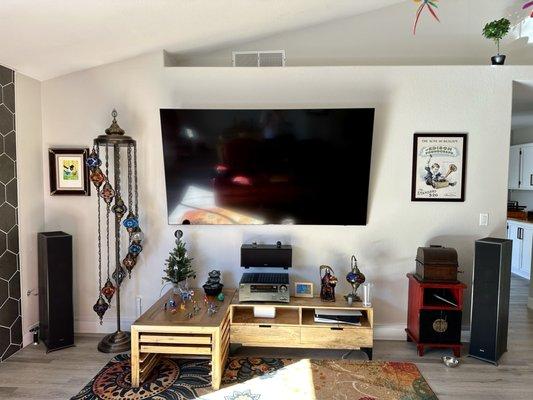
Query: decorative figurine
(328,283)
(355,278)
(195,307)
(213,287)
(211,309)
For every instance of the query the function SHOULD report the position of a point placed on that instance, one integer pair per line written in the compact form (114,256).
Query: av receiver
(264,287)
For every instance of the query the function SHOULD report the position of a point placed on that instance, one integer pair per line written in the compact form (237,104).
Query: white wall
(385,37)
(521,135)
(30,193)
(476,100)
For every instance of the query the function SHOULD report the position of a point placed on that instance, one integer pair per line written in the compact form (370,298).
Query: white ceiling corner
(49,38)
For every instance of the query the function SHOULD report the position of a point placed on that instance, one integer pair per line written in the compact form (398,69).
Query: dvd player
(264,287)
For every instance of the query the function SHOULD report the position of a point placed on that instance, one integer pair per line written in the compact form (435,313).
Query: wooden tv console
(294,326)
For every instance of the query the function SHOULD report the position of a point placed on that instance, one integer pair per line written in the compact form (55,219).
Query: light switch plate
(483,219)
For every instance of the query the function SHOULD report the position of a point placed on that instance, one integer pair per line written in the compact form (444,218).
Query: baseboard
(397,332)
(389,332)
(109,325)
(530,303)
(27,339)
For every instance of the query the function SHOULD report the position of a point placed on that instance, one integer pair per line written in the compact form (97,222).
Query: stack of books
(328,316)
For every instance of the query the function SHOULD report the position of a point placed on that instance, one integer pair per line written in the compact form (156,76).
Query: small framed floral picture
(69,174)
(303,289)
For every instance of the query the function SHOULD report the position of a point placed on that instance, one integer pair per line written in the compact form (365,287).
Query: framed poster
(439,162)
(69,173)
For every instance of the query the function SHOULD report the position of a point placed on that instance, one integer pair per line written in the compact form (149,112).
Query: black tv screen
(267,166)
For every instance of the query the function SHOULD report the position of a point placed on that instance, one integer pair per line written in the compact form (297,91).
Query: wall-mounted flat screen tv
(267,166)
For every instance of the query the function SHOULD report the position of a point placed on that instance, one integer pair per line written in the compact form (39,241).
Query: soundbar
(266,256)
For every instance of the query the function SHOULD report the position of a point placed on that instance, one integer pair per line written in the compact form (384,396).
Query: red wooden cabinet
(434,314)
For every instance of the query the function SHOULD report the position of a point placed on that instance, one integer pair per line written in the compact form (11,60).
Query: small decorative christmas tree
(179,266)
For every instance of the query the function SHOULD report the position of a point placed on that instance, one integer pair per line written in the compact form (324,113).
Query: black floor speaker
(56,319)
(490,299)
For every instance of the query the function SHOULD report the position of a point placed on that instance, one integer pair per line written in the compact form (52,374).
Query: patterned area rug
(262,379)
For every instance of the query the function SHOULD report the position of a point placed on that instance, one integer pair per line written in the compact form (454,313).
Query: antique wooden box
(436,264)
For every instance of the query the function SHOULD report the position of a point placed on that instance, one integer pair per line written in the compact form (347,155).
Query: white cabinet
(513,233)
(521,233)
(514,168)
(526,167)
(521,167)
(524,269)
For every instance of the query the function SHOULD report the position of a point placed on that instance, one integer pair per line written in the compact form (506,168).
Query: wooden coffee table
(158,332)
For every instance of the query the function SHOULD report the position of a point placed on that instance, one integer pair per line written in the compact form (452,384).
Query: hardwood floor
(33,374)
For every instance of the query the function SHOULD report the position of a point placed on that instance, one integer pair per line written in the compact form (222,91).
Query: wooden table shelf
(294,326)
(284,316)
(159,332)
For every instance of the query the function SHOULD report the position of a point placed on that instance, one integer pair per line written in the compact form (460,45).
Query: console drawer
(257,335)
(336,338)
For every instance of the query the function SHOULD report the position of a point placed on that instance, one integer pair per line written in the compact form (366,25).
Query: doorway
(520,194)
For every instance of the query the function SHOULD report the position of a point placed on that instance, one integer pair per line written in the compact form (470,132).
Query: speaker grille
(275,58)
(245,59)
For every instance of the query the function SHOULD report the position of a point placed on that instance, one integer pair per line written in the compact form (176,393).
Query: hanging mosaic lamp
(107,193)
(119,208)
(527,5)
(137,236)
(131,222)
(100,308)
(118,275)
(106,164)
(108,290)
(129,262)
(97,177)
(135,249)
(93,161)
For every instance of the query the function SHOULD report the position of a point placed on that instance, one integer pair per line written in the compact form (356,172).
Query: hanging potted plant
(179,266)
(496,30)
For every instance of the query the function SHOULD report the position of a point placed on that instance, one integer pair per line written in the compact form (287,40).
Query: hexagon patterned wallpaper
(10,320)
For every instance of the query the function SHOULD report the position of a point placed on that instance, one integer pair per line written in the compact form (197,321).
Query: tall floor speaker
(490,299)
(56,320)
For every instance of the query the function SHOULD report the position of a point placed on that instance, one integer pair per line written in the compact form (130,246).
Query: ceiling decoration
(431,6)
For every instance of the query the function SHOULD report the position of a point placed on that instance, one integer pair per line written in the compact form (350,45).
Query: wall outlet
(483,219)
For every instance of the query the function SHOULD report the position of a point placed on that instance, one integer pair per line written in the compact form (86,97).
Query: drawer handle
(265,326)
(337,329)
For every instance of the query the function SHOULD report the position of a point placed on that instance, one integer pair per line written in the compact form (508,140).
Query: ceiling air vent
(271,58)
